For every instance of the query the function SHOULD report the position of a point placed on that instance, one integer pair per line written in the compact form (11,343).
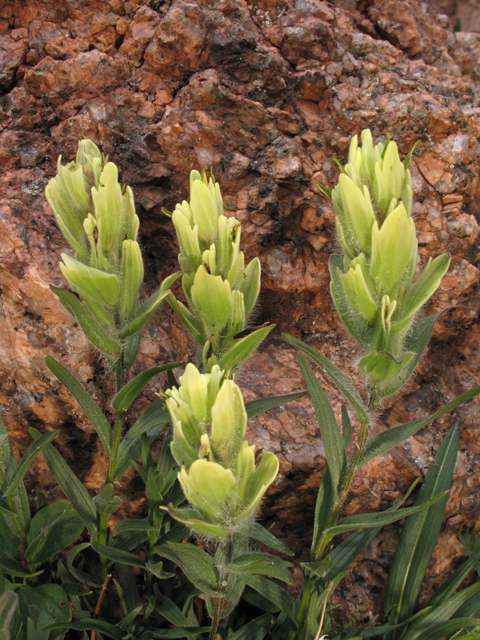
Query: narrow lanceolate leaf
(70,485)
(332,440)
(448,588)
(420,532)
(260,534)
(110,630)
(430,625)
(94,332)
(386,440)
(244,348)
(367,520)
(78,574)
(89,406)
(256,629)
(31,453)
(186,632)
(339,379)
(8,604)
(144,313)
(197,565)
(127,395)
(131,449)
(323,507)
(415,342)
(169,610)
(117,555)
(346,428)
(156,415)
(275,593)
(348,550)
(14,568)
(261,564)
(257,407)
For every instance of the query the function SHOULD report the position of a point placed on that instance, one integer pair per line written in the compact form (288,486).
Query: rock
(269,94)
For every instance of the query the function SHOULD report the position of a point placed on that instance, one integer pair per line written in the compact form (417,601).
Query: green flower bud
(130,220)
(358,293)
(212,299)
(71,204)
(218,475)
(205,213)
(208,487)
(355,211)
(250,286)
(131,277)
(229,423)
(394,246)
(108,208)
(190,256)
(102,287)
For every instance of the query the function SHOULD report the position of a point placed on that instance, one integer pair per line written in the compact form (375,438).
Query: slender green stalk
(117,435)
(332,520)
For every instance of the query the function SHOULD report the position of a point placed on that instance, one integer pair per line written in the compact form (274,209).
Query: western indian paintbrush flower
(372,283)
(221,293)
(97,216)
(219,475)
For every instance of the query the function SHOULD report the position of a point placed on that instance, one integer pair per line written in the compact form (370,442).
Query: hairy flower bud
(372,286)
(219,475)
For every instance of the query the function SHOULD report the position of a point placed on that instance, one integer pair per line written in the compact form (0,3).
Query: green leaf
(127,395)
(367,520)
(331,438)
(117,555)
(89,406)
(244,348)
(31,453)
(415,342)
(130,349)
(326,191)
(5,449)
(110,630)
(346,428)
(144,313)
(438,624)
(78,574)
(273,592)
(189,321)
(448,588)
(388,439)
(156,415)
(14,568)
(70,485)
(339,379)
(193,519)
(197,565)
(8,604)
(186,632)
(351,322)
(260,534)
(90,327)
(106,502)
(323,508)
(169,610)
(256,629)
(133,525)
(257,407)
(131,449)
(420,533)
(348,550)
(52,530)
(262,564)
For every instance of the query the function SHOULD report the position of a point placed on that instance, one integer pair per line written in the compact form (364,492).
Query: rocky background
(268,93)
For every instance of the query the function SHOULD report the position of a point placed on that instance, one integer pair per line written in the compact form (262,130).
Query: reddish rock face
(268,93)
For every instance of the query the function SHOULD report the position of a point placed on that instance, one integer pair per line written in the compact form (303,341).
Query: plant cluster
(195,566)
